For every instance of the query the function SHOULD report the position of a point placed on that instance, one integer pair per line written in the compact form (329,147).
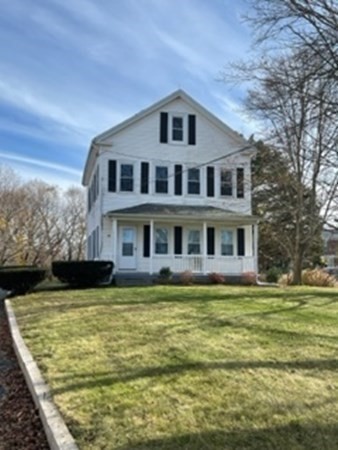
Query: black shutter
(210,241)
(89,200)
(146,241)
(94,187)
(192,129)
(178,240)
(240,241)
(112,176)
(240,183)
(89,247)
(98,180)
(178,179)
(164,127)
(144,178)
(210,181)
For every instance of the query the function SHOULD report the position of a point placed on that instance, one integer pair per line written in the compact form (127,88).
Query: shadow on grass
(102,379)
(311,436)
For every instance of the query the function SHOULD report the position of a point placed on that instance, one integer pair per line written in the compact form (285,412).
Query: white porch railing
(200,264)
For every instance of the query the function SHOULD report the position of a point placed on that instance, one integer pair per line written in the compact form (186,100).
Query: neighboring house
(330,238)
(171,187)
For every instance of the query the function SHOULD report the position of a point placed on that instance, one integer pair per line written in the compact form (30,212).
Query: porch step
(133,279)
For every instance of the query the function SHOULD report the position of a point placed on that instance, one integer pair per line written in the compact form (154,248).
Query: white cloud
(78,67)
(40,163)
(32,168)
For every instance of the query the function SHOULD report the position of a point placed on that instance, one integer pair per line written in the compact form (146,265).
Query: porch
(211,241)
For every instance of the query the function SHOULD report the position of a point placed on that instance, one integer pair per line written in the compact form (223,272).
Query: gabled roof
(178,94)
(203,212)
(159,105)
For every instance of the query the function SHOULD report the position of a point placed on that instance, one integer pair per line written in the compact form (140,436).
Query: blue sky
(70,69)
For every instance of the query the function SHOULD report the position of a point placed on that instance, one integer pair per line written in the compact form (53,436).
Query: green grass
(190,367)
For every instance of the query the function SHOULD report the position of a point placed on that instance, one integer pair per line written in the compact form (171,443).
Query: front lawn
(170,368)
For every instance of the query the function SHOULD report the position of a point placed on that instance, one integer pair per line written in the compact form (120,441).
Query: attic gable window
(177,128)
(177,133)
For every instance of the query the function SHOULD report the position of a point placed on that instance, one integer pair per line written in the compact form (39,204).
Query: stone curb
(58,435)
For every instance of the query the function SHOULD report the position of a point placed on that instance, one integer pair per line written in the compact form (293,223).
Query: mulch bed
(20,425)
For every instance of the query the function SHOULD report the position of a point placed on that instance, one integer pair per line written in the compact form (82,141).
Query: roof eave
(235,219)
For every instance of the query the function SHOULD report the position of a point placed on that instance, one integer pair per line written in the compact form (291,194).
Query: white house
(171,187)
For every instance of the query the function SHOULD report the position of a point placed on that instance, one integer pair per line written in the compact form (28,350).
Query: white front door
(127,251)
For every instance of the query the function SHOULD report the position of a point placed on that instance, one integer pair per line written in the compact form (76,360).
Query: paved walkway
(20,426)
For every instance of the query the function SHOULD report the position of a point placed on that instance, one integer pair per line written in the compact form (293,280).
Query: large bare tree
(293,91)
(293,104)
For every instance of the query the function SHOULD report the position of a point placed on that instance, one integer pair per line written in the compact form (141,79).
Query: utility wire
(171,175)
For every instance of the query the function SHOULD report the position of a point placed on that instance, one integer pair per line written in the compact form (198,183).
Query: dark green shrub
(20,279)
(83,273)
(165,275)
(273,275)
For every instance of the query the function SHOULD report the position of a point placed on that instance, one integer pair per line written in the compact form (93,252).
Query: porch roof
(192,212)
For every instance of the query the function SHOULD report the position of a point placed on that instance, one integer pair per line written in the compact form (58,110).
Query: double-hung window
(226,182)
(161,182)
(193,181)
(177,128)
(194,242)
(227,243)
(126,178)
(161,241)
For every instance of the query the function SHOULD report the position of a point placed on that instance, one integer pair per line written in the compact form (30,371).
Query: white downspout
(151,247)
(205,248)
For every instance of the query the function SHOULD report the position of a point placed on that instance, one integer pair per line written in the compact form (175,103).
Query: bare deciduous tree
(299,24)
(73,223)
(294,93)
(38,222)
(294,108)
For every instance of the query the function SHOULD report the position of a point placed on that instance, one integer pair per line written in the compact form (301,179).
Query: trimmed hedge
(20,279)
(82,273)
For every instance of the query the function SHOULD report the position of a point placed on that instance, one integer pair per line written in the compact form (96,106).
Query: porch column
(115,240)
(205,239)
(151,247)
(255,246)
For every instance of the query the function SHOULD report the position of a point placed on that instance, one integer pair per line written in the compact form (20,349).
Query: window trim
(125,163)
(166,229)
(155,179)
(194,181)
(234,250)
(184,117)
(231,171)
(188,242)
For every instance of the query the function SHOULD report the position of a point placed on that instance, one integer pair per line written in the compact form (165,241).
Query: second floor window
(127,178)
(226,182)
(161,182)
(193,181)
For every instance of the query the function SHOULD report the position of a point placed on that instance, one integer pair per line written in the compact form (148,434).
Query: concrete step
(133,279)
